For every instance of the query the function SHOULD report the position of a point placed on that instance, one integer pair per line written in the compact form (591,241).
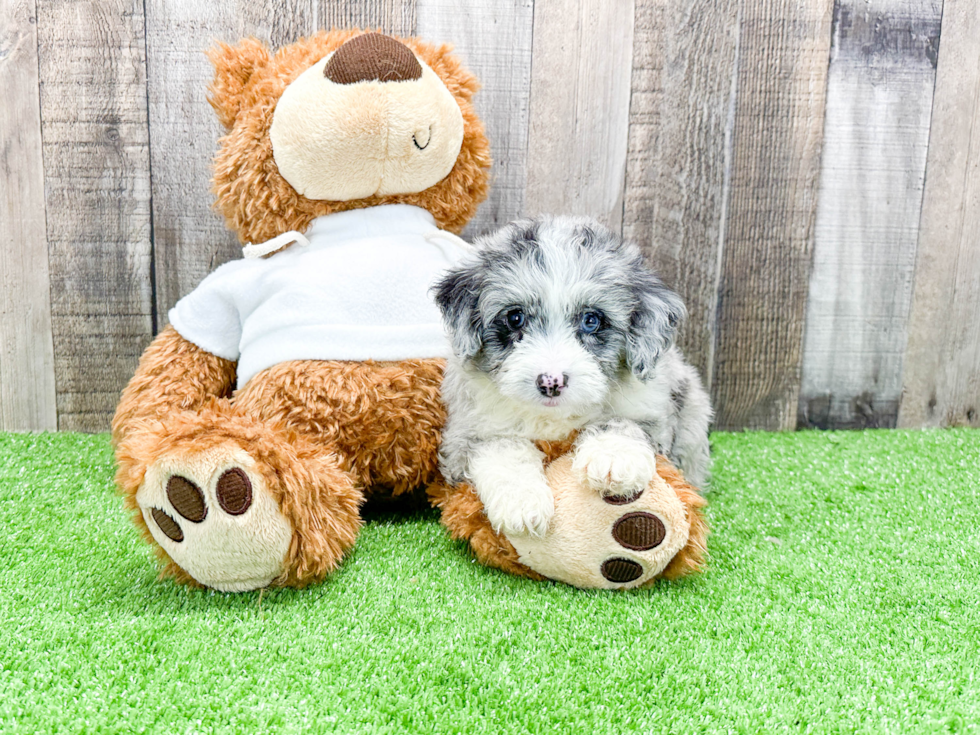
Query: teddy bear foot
(215,518)
(593,541)
(235,503)
(606,542)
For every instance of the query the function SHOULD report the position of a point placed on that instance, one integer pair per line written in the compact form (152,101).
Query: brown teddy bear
(293,382)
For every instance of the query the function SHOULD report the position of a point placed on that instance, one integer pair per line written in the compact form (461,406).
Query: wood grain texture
(494,41)
(942,362)
(27,386)
(96,163)
(879,104)
(388,16)
(782,71)
(681,111)
(190,240)
(579,114)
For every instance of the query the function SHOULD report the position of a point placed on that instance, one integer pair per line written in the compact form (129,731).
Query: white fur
(510,481)
(614,463)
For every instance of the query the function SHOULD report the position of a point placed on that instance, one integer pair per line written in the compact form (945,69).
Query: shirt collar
(382,220)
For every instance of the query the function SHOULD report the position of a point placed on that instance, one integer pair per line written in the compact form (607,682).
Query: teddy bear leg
(592,542)
(235,503)
(617,542)
(461,512)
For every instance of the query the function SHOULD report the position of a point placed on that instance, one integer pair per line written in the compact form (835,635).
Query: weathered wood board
(879,104)
(96,163)
(681,112)
(799,170)
(388,16)
(942,361)
(27,389)
(579,114)
(190,239)
(494,41)
(765,263)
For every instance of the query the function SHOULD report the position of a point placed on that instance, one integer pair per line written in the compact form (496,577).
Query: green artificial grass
(843,596)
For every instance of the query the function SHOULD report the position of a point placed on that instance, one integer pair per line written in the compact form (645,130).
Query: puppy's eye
(516,319)
(590,322)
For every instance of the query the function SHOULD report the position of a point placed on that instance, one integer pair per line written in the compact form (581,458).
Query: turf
(843,596)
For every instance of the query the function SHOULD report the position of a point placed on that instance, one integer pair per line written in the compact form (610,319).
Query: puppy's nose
(372,56)
(551,385)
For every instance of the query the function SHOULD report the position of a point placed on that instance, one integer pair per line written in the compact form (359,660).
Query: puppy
(558,326)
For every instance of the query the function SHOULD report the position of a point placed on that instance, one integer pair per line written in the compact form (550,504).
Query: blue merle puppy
(558,326)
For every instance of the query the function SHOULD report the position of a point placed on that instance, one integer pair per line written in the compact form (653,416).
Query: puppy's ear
(457,295)
(653,324)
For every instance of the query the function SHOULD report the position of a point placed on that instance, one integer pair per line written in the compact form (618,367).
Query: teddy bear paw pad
(215,518)
(639,531)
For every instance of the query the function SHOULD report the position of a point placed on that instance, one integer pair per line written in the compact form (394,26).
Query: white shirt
(358,291)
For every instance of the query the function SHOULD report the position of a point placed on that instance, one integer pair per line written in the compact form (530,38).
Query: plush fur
(557,327)
(313,436)
(258,203)
(464,516)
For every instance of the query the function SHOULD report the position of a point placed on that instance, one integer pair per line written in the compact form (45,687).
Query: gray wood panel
(494,41)
(579,115)
(782,75)
(190,239)
(388,16)
(96,164)
(27,388)
(879,104)
(681,113)
(942,362)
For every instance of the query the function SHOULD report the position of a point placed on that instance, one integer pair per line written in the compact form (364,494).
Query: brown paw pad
(622,499)
(168,525)
(234,491)
(187,499)
(621,570)
(639,531)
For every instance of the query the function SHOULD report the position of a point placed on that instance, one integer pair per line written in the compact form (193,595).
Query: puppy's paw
(615,465)
(520,509)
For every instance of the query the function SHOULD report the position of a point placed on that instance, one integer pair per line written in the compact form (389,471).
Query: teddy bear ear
(233,67)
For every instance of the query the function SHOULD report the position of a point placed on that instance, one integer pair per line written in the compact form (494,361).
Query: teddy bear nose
(372,57)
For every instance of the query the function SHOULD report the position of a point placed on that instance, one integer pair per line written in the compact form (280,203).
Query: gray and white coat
(557,326)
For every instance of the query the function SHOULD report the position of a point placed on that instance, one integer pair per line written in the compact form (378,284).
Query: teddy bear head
(344,120)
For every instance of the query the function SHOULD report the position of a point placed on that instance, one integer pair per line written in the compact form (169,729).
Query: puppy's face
(556,311)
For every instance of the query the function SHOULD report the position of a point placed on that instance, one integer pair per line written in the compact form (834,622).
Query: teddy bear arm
(173,375)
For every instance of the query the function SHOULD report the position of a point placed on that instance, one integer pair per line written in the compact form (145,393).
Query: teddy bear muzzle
(370,119)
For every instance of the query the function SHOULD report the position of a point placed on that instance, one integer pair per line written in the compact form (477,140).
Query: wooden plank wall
(27,391)
(785,164)
(942,373)
(879,105)
(97,196)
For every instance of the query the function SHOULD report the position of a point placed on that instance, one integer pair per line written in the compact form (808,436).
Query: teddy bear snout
(372,57)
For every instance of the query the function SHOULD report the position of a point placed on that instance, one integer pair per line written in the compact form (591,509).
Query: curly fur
(383,419)
(258,203)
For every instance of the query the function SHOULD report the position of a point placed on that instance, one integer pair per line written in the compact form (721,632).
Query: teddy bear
(296,382)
